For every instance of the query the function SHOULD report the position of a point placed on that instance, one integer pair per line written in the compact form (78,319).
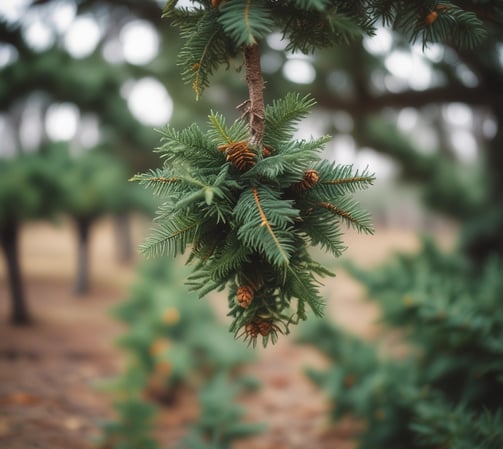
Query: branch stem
(255,81)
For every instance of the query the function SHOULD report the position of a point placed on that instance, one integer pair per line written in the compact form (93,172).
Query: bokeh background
(83,85)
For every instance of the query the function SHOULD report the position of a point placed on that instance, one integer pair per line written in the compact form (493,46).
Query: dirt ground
(50,372)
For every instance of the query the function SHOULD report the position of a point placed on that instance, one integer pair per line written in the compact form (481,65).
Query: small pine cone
(252,330)
(239,154)
(431,17)
(264,326)
(311,177)
(244,296)
(266,151)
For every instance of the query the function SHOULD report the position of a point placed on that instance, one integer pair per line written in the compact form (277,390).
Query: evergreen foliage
(29,187)
(249,195)
(172,337)
(220,422)
(214,31)
(253,227)
(447,392)
(134,425)
(174,342)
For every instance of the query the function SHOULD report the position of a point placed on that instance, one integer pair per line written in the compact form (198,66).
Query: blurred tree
(50,182)
(446,390)
(29,189)
(174,342)
(43,76)
(360,81)
(95,184)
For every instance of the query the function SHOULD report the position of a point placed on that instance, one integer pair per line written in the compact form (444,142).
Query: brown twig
(256,108)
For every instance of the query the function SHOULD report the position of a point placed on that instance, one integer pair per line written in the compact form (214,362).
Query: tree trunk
(9,235)
(484,237)
(82,280)
(124,242)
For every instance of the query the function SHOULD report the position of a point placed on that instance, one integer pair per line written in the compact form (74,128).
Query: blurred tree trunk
(83,231)
(9,236)
(124,240)
(485,237)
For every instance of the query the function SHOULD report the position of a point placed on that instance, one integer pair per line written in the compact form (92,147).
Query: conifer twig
(256,107)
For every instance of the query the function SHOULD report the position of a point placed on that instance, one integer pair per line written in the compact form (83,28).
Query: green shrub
(173,341)
(448,391)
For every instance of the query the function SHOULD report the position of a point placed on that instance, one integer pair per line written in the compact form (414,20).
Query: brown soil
(50,372)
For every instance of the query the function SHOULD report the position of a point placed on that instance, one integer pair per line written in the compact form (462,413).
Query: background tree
(30,88)
(451,184)
(95,185)
(29,189)
(443,392)
(174,342)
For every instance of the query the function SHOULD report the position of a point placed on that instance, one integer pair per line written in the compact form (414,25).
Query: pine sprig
(265,224)
(435,21)
(303,285)
(245,21)
(181,145)
(337,180)
(320,229)
(221,134)
(171,237)
(290,161)
(282,117)
(347,212)
(158,181)
(249,225)
(206,48)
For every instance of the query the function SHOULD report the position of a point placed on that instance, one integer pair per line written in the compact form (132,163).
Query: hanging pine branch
(247,198)
(248,215)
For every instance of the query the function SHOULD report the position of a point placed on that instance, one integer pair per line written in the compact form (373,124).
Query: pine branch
(348,212)
(157,181)
(224,263)
(171,237)
(206,48)
(245,21)
(220,133)
(283,116)
(319,226)
(247,195)
(439,22)
(303,286)
(265,221)
(289,163)
(177,149)
(335,180)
